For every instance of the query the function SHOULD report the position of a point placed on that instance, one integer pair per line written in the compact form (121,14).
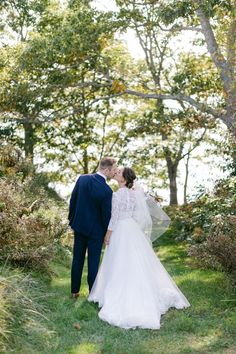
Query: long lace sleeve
(114,212)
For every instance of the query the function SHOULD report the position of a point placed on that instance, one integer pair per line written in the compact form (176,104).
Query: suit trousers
(93,247)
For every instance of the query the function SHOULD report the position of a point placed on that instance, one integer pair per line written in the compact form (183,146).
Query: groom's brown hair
(106,162)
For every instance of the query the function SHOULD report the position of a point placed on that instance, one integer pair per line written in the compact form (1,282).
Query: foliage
(218,250)
(195,217)
(21,15)
(208,224)
(60,86)
(31,221)
(211,22)
(170,133)
(52,100)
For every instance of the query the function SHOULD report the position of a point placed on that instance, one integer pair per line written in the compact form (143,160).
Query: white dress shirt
(101,174)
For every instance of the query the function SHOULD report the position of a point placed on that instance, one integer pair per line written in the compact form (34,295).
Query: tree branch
(179,97)
(213,47)
(195,145)
(180,28)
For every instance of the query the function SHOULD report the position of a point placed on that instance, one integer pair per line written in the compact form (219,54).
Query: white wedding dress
(132,287)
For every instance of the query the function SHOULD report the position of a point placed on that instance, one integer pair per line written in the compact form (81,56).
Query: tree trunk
(186,179)
(85,161)
(172,174)
(229,118)
(224,62)
(29,140)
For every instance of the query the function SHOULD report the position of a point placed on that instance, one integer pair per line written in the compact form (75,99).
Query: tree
(186,15)
(19,17)
(167,74)
(18,94)
(51,69)
(172,137)
(22,99)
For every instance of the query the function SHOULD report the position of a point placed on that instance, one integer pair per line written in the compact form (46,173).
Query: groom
(89,215)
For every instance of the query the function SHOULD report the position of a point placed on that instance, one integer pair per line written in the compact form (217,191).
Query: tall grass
(23,320)
(4,315)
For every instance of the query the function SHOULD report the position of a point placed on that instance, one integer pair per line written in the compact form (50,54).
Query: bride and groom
(131,287)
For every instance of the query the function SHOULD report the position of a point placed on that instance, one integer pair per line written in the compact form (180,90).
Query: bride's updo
(129,176)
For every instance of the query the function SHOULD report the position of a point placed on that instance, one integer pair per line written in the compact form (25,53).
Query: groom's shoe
(75,295)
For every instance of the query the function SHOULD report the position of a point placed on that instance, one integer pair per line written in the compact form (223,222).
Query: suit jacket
(90,206)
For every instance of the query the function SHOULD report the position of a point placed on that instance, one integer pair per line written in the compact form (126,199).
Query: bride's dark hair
(129,176)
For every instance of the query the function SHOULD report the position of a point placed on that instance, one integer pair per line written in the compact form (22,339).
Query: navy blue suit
(89,215)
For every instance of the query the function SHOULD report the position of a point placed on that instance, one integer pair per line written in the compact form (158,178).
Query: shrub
(12,162)
(209,225)
(28,230)
(192,221)
(219,247)
(32,216)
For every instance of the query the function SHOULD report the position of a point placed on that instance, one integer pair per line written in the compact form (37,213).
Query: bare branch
(195,145)
(179,97)
(180,28)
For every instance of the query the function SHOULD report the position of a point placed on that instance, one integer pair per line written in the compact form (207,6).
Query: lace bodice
(123,206)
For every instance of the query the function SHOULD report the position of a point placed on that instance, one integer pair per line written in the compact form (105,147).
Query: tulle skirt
(132,287)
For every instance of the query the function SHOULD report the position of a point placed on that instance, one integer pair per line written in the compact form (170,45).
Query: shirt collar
(101,174)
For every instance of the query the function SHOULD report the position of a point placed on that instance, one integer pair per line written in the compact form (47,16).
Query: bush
(193,221)
(209,225)
(28,230)
(12,162)
(218,250)
(31,215)
(221,242)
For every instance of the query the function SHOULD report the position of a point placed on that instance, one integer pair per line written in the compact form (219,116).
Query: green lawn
(208,326)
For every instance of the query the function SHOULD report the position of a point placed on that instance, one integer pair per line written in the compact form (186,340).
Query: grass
(22,313)
(208,326)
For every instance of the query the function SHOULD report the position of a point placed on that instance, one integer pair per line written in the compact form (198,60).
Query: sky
(130,38)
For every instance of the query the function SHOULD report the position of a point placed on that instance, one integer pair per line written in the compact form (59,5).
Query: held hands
(107,237)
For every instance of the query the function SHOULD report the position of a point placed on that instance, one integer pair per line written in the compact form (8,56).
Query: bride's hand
(106,240)
(107,237)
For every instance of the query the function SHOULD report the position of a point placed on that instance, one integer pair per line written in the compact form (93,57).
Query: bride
(132,287)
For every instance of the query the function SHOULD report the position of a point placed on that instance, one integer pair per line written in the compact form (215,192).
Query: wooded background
(71,92)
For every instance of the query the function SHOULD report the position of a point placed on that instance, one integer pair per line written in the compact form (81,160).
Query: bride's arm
(114,218)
